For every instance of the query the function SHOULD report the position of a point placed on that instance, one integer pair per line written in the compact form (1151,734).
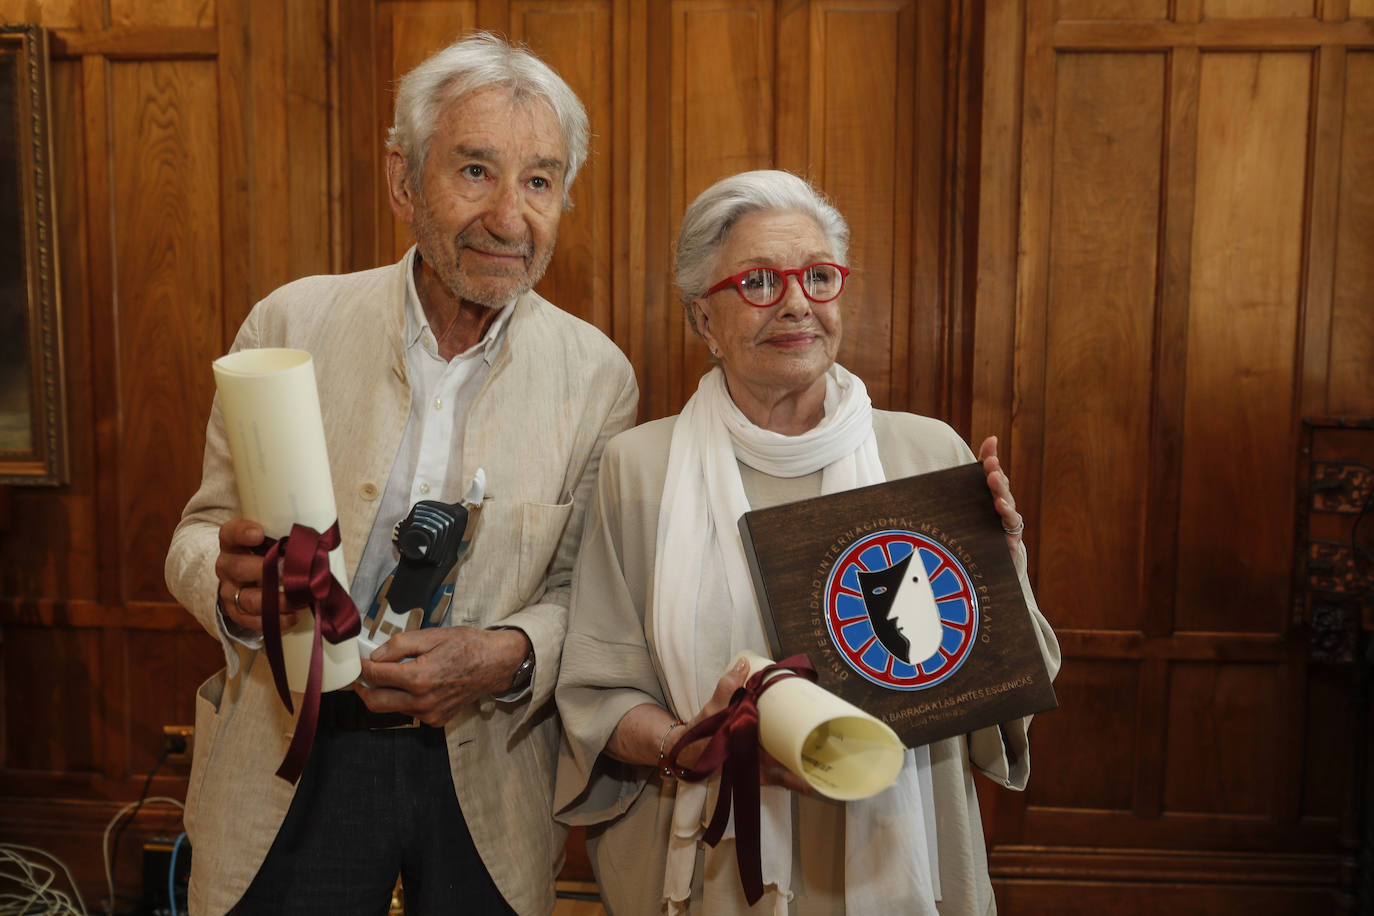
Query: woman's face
(784,348)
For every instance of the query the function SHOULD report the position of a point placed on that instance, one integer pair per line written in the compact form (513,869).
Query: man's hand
(240,575)
(448,668)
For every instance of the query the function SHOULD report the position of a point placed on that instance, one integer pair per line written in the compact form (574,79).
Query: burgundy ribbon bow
(305,580)
(734,733)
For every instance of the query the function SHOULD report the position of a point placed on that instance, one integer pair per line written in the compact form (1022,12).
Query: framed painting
(33,441)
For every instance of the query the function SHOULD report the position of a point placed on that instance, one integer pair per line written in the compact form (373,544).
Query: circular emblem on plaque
(900,609)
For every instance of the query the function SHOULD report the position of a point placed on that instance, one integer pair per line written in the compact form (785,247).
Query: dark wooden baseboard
(1125,882)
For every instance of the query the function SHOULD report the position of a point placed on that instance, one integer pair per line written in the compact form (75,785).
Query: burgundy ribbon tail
(734,748)
(305,581)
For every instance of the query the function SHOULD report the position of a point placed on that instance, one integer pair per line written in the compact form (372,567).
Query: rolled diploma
(271,410)
(840,750)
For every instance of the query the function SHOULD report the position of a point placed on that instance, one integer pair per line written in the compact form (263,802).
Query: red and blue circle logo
(897,594)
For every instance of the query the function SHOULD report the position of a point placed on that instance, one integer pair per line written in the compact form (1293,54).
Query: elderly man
(428,369)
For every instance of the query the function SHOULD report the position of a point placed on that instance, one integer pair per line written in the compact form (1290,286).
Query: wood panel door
(1176,253)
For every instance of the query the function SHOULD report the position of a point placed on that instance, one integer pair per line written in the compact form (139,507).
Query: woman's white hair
(477,62)
(717,209)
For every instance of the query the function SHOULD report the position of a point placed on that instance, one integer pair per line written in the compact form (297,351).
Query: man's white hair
(480,61)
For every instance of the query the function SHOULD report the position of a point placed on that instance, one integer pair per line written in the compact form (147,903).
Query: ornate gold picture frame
(33,433)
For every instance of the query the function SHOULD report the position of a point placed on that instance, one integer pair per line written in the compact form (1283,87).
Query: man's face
(490,196)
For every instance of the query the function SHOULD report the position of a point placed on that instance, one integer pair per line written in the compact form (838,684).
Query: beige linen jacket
(557,391)
(611,664)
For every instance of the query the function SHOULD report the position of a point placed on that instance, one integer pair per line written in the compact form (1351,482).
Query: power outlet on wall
(178,741)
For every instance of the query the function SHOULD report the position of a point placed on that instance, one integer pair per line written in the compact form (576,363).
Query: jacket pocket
(208,698)
(541,528)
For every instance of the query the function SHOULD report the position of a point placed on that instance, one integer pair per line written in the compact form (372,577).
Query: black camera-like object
(430,541)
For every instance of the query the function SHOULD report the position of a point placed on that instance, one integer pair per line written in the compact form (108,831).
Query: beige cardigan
(610,665)
(558,390)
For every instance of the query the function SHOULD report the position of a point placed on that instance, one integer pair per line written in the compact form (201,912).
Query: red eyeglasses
(764,286)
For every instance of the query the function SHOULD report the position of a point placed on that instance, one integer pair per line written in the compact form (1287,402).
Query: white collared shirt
(429,461)
(428,464)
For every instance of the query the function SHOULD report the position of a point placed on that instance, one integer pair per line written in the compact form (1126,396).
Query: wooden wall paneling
(1361,8)
(720,98)
(356,70)
(1104,218)
(1151,718)
(408,31)
(1112,9)
(1240,270)
(575,39)
(1068,897)
(1320,252)
(1349,390)
(1251,167)
(792,87)
(862,155)
(1009,352)
(1212,34)
(1171,353)
(164,670)
(628,214)
(269,224)
(1206,702)
(305,85)
(1159,547)
(166,240)
(1032,271)
(662,315)
(100,298)
(161,13)
(237,244)
(1329,785)
(58,670)
(996,284)
(1257,9)
(1096,697)
(107,693)
(958,244)
(50,14)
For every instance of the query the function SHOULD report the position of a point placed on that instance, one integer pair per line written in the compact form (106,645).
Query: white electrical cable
(105,841)
(37,878)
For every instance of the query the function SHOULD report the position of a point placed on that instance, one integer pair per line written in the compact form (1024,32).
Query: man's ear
(398,186)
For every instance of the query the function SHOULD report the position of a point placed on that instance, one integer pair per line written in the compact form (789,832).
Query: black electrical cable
(119,828)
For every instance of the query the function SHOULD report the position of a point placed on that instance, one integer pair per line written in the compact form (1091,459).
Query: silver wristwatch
(524,674)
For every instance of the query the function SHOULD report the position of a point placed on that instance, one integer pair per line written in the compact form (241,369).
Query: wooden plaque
(905,598)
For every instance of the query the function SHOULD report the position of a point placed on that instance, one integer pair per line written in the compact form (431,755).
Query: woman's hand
(771,772)
(1000,486)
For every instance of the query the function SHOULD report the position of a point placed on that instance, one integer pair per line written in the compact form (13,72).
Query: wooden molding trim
(1218,34)
(50,612)
(138,43)
(1158,865)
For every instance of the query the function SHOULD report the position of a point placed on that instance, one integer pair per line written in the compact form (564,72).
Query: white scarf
(705,613)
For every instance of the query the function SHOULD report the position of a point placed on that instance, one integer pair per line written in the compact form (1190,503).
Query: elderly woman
(663,601)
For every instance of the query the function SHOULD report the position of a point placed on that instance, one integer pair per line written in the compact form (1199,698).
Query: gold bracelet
(662,745)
